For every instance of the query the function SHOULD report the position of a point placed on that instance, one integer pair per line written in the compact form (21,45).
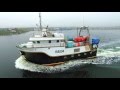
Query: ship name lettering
(59,51)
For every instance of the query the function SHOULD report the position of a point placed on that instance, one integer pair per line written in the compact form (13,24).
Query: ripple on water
(21,63)
(107,54)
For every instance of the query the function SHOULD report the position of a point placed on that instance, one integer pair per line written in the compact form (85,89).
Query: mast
(40,22)
(83,20)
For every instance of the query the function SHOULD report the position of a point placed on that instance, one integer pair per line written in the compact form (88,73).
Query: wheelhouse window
(38,42)
(49,41)
(34,42)
(57,41)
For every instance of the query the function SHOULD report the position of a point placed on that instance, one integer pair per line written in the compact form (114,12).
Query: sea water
(107,63)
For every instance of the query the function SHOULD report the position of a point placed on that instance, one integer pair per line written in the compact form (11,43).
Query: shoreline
(7,32)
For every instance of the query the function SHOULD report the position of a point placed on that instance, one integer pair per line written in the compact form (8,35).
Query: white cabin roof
(45,38)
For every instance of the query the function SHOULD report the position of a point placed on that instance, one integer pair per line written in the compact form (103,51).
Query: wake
(21,63)
(107,54)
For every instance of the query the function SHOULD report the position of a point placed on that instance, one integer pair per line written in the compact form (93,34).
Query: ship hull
(41,58)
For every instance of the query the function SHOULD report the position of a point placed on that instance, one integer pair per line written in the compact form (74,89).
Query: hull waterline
(43,59)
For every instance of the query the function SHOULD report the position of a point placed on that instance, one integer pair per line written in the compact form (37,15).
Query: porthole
(38,41)
(49,41)
(57,41)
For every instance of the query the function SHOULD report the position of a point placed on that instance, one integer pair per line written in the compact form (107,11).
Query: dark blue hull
(41,58)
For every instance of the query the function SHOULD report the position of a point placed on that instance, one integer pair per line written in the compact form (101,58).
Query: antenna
(40,21)
(83,19)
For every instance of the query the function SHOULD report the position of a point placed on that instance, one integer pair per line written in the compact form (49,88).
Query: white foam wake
(104,57)
(21,63)
(109,53)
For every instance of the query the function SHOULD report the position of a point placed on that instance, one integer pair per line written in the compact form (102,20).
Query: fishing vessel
(48,48)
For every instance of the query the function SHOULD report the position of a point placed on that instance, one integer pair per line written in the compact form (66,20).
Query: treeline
(12,31)
(91,28)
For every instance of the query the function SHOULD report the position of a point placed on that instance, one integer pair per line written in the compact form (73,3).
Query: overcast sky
(30,19)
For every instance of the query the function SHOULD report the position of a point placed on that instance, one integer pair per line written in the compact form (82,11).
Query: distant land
(105,28)
(13,31)
(91,28)
(62,28)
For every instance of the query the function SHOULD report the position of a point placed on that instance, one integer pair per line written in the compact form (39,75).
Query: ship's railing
(41,46)
(49,45)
